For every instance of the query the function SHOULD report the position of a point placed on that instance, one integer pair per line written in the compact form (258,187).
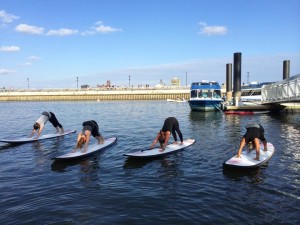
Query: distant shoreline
(95,94)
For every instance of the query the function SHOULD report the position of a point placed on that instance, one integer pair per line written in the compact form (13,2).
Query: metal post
(286,69)
(228,82)
(237,71)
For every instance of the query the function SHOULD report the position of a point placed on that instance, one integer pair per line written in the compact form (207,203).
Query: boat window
(202,94)
(258,92)
(246,93)
(217,94)
(194,94)
(205,93)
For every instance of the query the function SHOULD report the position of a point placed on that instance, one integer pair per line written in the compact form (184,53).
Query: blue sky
(52,42)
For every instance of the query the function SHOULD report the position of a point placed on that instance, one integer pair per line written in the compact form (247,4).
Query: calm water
(189,187)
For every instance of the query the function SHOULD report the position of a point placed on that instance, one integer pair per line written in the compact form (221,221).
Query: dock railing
(286,91)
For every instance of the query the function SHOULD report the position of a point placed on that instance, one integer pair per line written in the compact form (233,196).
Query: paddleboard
(92,149)
(32,139)
(247,158)
(155,152)
(175,100)
(246,112)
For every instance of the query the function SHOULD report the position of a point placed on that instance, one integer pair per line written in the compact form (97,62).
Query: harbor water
(188,187)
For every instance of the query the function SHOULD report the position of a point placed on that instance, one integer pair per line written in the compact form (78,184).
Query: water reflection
(169,164)
(253,175)
(9,145)
(202,116)
(170,167)
(134,163)
(88,170)
(44,149)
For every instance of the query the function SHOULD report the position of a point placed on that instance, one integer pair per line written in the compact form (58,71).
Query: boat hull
(205,104)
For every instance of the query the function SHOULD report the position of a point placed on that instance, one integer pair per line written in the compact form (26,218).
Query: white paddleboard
(155,152)
(247,158)
(32,139)
(92,149)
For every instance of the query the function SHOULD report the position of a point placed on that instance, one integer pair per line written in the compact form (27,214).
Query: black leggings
(94,127)
(54,121)
(171,124)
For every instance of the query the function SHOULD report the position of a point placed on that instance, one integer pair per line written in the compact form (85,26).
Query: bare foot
(256,158)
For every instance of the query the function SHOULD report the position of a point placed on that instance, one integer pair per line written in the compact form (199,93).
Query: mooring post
(286,69)
(237,71)
(228,82)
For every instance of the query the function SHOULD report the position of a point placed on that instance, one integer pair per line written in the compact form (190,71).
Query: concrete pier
(82,95)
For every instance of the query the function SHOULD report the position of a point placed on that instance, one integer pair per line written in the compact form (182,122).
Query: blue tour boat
(205,96)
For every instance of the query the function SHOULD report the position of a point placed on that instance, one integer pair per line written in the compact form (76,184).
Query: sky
(65,43)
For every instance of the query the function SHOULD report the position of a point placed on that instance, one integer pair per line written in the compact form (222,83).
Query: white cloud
(6,17)
(9,48)
(5,71)
(33,58)
(212,30)
(99,27)
(26,64)
(24,28)
(62,32)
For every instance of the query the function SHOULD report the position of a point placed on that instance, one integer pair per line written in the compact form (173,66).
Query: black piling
(237,71)
(286,69)
(228,82)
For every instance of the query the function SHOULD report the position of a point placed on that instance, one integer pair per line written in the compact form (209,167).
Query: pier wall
(82,95)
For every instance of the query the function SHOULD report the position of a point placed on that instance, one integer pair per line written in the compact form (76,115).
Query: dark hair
(161,138)
(36,126)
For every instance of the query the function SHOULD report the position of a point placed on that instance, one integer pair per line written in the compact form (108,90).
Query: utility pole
(247,77)
(186,79)
(77,83)
(129,81)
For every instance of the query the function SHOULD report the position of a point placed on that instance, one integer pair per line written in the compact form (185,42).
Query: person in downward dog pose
(89,128)
(42,120)
(171,125)
(254,133)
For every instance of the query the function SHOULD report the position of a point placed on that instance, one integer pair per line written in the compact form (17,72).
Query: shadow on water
(61,166)
(9,145)
(254,174)
(169,165)
(134,163)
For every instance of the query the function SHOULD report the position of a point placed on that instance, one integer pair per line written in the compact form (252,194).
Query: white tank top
(42,120)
